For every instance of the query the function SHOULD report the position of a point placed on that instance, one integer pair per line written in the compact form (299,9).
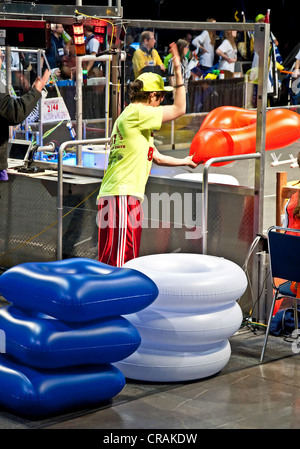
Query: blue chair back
(284,252)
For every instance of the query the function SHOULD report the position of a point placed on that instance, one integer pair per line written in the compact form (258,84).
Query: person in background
(55,54)
(292,209)
(92,47)
(129,49)
(227,53)
(183,49)
(14,111)
(296,71)
(273,60)
(260,18)
(292,220)
(132,151)
(205,45)
(146,58)
(294,80)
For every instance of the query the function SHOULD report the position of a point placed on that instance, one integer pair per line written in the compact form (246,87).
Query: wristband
(179,85)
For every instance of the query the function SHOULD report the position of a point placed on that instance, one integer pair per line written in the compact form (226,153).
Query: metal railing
(61,149)
(207,165)
(205,189)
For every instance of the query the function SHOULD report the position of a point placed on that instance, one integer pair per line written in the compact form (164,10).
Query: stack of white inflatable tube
(185,331)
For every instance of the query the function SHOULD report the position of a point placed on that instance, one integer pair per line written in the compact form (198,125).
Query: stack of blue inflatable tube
(63,330)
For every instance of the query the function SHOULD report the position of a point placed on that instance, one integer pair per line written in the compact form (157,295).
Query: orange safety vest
(293,222)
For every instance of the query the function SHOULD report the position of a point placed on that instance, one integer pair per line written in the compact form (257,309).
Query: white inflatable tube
(183,331)
(192,282)
(183,174)
(152,365)
(213,178)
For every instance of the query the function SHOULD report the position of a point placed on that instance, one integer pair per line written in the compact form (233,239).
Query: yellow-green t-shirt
(131,151)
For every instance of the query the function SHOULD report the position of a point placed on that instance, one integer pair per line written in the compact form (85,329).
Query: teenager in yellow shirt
(132,151)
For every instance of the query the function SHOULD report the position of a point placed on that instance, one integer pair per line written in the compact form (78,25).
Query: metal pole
(118,4)
(39,72)
(107,88)
(205,189)
(8,69)
(8,78)
(115,86)
(79,81)
(261,46)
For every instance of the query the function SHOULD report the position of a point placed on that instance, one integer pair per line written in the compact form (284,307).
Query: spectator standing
(92,47)
(55,54)
(183,49)
(205,46)
(295,80)
(260,18)
(227,53)
(14,111)
(146,58)
(274,58)
(296,72)
(129,49)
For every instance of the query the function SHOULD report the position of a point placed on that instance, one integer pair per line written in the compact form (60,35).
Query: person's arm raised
(40,82)
(178,108)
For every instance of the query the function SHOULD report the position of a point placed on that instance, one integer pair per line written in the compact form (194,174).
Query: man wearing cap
(260,18)
(132,151)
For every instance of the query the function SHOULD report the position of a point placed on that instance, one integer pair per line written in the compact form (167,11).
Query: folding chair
(284,258)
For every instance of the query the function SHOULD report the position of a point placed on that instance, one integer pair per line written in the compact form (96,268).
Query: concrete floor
(262,397)
(244,395)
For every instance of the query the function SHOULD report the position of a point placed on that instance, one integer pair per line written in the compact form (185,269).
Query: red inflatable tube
(282,129)
(229,117)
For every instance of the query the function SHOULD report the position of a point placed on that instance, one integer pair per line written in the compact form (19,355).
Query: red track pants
(120,229)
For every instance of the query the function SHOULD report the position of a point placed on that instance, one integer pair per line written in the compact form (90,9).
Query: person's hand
(56,72)
(296,73)
(188,161)
(176,57)
(40,82)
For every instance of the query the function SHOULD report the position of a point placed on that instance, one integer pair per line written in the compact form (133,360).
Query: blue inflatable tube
(77,290)
(43,342)
(36,394)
